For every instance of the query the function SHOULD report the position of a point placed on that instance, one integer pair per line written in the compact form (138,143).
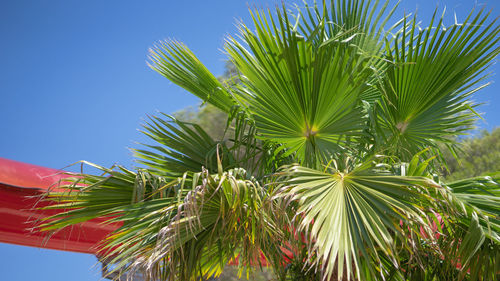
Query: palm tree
(328,168)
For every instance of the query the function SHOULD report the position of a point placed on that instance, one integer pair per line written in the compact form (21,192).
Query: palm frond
(176,62)
(223,217)
(352,216)
(185,229)
(468,233)
(304,98)
(428,83)
(363,22)
(137,203)
(181,147)
(259,156)
(479,200)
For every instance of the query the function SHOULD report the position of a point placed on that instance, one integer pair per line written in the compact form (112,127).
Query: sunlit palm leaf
(467,235)
(134,200)
(88,196)
(352,216)
(300,96)
(187,228)
(257,155)
(222,217)
(181,147)
(479,200)
(363,21)
(428,84)
(481,195)
(176,62)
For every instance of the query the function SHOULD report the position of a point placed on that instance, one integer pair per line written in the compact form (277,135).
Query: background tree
(480,156)
(209,117)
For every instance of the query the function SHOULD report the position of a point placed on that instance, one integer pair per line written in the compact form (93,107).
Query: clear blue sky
(74,85)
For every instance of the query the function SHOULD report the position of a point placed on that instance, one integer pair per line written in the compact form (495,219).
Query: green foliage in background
(209,117)
(480,156)
(337,128)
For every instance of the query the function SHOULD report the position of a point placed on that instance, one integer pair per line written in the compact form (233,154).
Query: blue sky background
(74,85)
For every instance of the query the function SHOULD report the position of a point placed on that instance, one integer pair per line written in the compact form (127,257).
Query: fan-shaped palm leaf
(177,63)
(427,86)
(302,97)
(352,215)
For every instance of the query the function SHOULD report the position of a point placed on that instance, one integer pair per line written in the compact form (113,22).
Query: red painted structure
(21,186)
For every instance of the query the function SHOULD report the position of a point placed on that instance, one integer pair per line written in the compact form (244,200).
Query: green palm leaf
(299,95)
(188,228)
(352,216)
(428,84)
(221,218)
(363,22)
(469,241)
(177,63)
(479,199)
(181,147)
